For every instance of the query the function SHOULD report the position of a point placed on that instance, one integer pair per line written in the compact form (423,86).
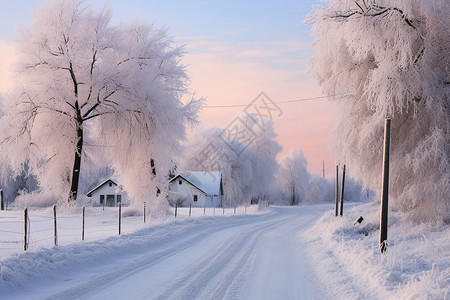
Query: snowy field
(100,223)
(300,252)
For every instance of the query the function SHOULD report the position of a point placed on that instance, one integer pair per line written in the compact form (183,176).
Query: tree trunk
(293,195)
(77,161)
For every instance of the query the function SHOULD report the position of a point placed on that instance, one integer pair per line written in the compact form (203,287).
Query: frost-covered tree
(322,189)
(392,58)
(248,164)
(294,177)
(86,88)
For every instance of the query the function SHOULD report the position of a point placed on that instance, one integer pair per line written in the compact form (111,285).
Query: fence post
(144,211)
(190,209)
(120,217)
(214,211)
(385,186)
(54,221)
(245,208)
(176,208)
(25,230)
(1,200)
(342,191)
(235,209)
(337,190)
(223,210)
(82,231)
(204,209)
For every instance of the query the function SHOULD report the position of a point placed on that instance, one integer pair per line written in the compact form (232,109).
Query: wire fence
(31,230)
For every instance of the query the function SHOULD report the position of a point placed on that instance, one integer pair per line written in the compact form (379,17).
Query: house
(108,193)
(199,189)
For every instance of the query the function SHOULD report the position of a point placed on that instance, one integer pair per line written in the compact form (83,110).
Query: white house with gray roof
(108,193)
(199,189)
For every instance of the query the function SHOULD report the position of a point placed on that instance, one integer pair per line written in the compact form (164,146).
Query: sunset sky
(235,50)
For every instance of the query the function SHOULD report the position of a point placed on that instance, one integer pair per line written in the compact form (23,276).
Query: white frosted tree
(293,177)
(392,59)
(87,89)
(247,161)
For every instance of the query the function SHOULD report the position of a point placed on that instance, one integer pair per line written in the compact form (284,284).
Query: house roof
(208,182)
(112,180)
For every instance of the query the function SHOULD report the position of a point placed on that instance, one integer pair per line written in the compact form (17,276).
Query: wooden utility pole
(337,190)
(323,168)
(385,186)
(342,191)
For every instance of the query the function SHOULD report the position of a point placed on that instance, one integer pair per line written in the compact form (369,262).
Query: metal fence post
(25,230)
(54,224)
(120,217)
(82,231)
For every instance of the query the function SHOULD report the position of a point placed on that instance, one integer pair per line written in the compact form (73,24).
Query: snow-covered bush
(34,199)
(320,189)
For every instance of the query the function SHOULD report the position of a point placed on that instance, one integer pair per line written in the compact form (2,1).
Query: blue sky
(227,20)
(235,50)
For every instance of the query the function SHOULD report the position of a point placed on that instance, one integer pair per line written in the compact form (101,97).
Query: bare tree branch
(373,11)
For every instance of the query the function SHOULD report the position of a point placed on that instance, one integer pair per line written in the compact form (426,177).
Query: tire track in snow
(218,275)
(102,278)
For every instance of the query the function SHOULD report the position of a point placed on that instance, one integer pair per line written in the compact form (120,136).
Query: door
(110,200)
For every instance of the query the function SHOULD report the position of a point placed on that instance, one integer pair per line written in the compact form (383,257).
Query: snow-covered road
(235,257)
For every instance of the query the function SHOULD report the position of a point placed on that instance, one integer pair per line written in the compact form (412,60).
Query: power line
(277,102)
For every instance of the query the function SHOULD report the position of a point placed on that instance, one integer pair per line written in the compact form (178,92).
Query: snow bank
(415,266)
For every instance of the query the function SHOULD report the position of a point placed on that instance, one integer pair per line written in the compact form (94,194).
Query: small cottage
(199,189)
(108,193)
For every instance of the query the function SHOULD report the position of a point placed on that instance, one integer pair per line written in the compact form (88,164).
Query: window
(110,184)
(119,199)
(180,181)
(102,199)
(195,198)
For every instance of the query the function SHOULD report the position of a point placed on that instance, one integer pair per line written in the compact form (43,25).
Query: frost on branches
(87,90)
(392,58)
(248,164)
(293,178)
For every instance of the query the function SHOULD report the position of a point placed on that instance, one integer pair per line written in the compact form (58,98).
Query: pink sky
(228,74)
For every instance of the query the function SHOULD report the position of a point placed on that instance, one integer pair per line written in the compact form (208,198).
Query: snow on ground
(300,252)
(415,266)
